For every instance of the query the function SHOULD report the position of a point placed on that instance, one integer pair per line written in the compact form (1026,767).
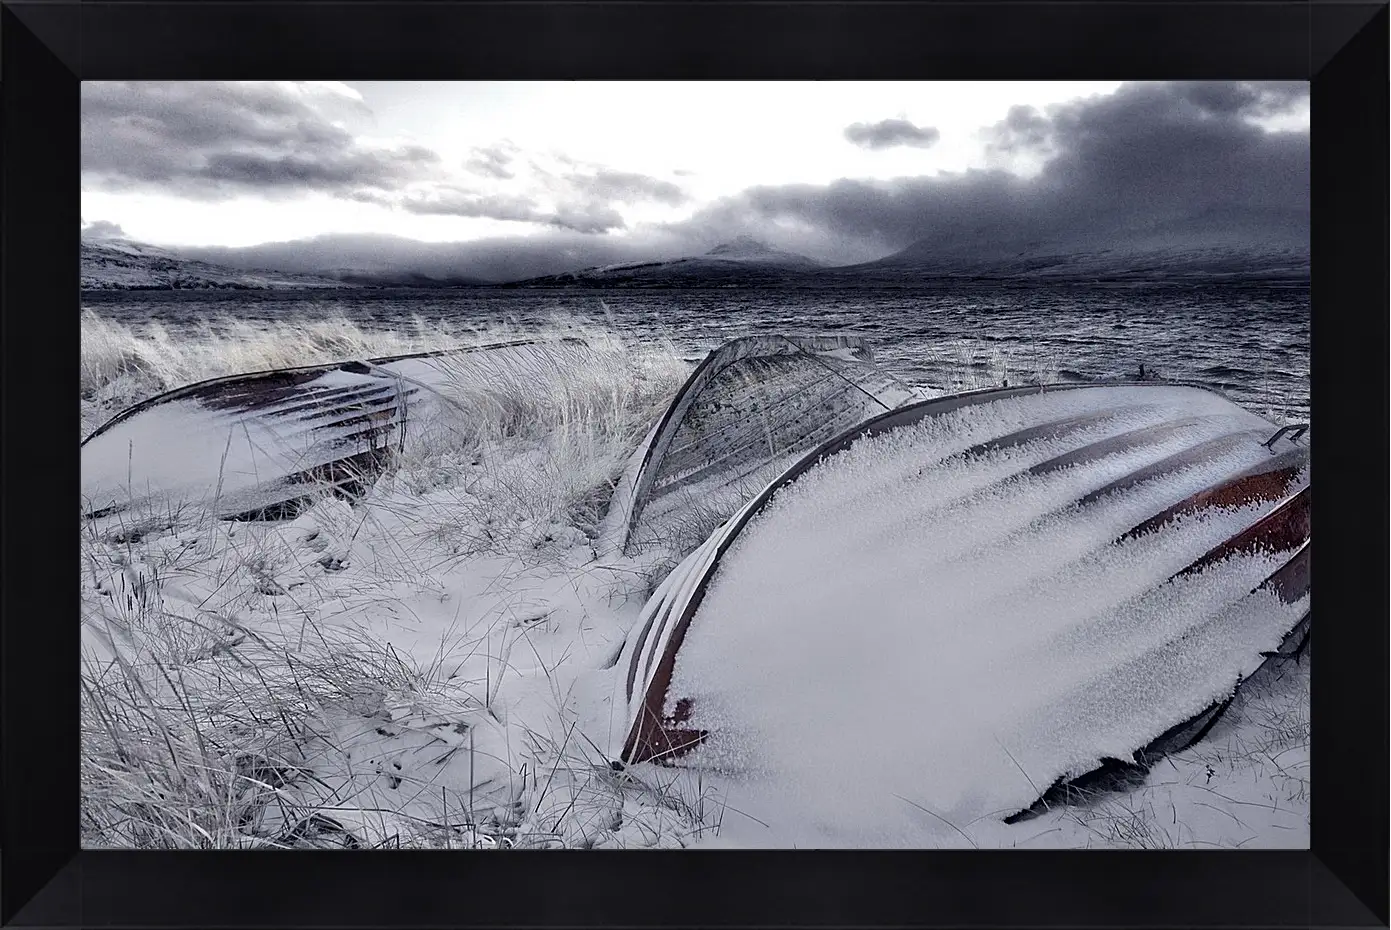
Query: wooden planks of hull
(261,445)
(1172,450)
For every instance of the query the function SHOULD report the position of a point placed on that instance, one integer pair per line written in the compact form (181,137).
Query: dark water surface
(1251,343)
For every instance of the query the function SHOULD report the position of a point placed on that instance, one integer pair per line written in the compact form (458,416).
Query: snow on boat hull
(1018,580)
(256,446)
(748,410)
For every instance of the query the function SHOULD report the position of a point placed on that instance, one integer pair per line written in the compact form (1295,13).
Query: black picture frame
(46,48)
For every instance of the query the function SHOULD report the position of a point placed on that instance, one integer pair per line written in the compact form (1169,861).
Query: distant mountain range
(744,262)
(1155,258)
(1232,245)
(1210,248)
(120,264)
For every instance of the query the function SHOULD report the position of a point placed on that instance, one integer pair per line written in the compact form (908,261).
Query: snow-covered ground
(422,668)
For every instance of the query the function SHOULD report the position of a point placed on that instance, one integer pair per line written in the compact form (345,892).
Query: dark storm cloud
(889,133)
(1281,95)
(102,229)
(1168,165)
(215,140)
(1022,128)
(1257,99)
(1177,160)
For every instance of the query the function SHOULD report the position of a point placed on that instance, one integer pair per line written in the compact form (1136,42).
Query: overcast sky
(840,171)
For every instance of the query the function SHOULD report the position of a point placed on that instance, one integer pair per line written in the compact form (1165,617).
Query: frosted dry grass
(523,450)
(121,364)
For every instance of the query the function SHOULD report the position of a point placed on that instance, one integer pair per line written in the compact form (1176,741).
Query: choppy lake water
(1251,343)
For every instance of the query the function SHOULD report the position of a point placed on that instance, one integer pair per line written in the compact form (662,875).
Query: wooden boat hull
(259,445)
(1159,475)
(748,410)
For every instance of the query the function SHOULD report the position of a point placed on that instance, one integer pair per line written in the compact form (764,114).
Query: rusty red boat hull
(1263,489)
(259,445)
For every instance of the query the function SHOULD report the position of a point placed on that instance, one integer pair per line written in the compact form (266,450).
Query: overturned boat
(262,444)
(981,595)
(750,409)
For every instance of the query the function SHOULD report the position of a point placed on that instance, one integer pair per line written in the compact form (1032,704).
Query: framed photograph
(850,463)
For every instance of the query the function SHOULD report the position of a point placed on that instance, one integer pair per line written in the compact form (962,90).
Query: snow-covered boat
(258,445)
(989,593)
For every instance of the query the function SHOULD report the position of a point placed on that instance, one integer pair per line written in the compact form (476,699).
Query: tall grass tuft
(121,363)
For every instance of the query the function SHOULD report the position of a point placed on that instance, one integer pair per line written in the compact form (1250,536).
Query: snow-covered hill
(742,262)
(749,250)
(1150,257)
(1214,246)
(121,264)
